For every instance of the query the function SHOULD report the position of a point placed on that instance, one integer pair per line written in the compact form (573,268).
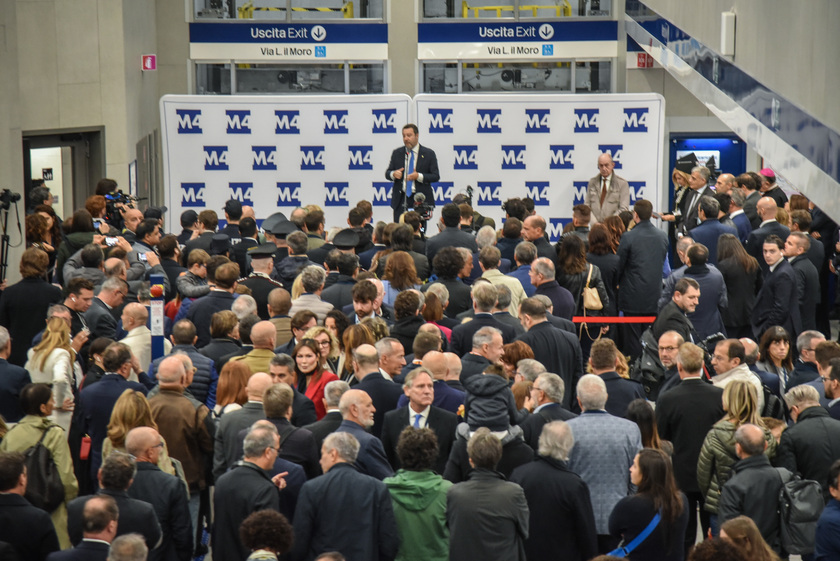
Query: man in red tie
(607,193)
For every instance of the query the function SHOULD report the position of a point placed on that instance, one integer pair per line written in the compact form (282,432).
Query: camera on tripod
(423,208)
(7,198)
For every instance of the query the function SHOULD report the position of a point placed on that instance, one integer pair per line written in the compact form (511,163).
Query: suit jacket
(442,422)
(328,424)
(448,237)
(742,223)
(533,425)
(303,410)
(672,318)
(340,293)
(460,297)
(690,221)
(245,489)
(562,300)
(447,397)
(297,446)
(641,254)
(462,335)
(85,551)
(617,199)
(620,393)
(239,254)
(135,517)
(260,286)
(28,529)
(203,241)
(808,290)
(755,241)
(12,379)
(684,415)
(173,270)
(750,210)
(472,365)
(384,394)
(226,446)
(562,524)
(777,302)
(426,164)
(202,310)
(168,497)
(559,351)
(372,459)
(708,232)
(23,307)
(100,321)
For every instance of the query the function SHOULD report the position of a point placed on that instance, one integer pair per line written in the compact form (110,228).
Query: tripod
(4,239)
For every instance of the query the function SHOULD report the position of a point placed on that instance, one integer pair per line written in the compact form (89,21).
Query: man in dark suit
(29,530)
(419,413)
(487,350)
(562,522)
(446,397)
(448,264)
(99,523)
(672,316)
(777,302)
(96,402)
(698,182)
(357,411)
(384,393)
(208,220)
(12,379)
(365,257)
(135,516)
(259,281)
(739,216)
(607,194)
(245,489)
(413,169)
(282,370)
(220,298)
(620,392)
(164,492)
(684,415)
(451,235)
(329,422)
(239,251)
(710,228)
(99,317)
(766,209)
(225,447)
(557,350)
(547,395)
(167,249)
(807,277)
(484,298)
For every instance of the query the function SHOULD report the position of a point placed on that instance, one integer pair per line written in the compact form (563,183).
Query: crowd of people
(375,392)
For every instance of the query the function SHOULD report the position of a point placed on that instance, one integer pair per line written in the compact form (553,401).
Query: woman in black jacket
(652,473)
(742,277)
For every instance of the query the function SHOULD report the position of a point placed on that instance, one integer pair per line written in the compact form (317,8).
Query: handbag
(591,301)
(624,551)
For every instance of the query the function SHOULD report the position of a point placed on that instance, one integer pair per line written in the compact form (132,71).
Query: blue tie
(417,418)
(409,184)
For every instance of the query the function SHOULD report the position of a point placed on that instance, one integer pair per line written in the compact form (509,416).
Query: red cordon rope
(613,319)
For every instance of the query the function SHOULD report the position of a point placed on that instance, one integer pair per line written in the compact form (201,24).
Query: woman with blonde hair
(230,391)
(53,361)
(743,532)
(132,410)
(717,456)
(355,335)
(327,345)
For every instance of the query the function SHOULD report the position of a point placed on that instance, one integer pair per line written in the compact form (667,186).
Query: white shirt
(424,419)
(386,375)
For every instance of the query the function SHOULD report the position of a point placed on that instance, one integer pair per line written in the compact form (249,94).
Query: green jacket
(26,434)
(419,499)
(717,456)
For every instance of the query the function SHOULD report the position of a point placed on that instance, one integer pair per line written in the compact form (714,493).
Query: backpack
(647,369)
(800,505)
(773,406)
(44,488)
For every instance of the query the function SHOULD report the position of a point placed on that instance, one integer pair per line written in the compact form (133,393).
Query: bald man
(139,338)
(225,448)
(384,393)
(163,491)
(766,210)
(607,194)
(453,371)
(263,337)
(725,183)
(131,219)
(186,425)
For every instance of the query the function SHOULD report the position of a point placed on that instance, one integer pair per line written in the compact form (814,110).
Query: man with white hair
(383,393)
(130,547)
(543,278)
(484,299)
(607,194)
(605,447)
(312,278)
(357,411)
(547,394)
(321,522)
(562,524)
(12,380)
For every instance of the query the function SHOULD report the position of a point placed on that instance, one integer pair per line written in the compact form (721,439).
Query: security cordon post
(156,313)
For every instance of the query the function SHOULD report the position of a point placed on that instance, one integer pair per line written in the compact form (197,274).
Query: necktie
(417,418)
(409,184)
(603,190)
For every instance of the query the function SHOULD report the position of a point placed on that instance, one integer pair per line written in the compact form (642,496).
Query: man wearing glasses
(99,317)
(805,367)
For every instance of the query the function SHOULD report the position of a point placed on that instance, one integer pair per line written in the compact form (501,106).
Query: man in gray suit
(607,193)
(605,447)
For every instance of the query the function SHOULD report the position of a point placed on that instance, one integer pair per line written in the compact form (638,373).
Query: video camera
(421,207)
(116,203)
(7,198)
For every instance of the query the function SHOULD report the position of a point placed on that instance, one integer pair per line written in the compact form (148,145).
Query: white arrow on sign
(546,31)
(319,33)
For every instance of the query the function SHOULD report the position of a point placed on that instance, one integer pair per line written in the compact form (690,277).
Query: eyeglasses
(669,348)
(825,379)
(323,343)
(159,445)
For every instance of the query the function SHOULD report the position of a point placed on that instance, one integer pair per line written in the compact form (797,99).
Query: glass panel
(521,77)
(440,78)
(594,77)
(494,9)
(367,78)
(212,79)
(289,79)
(334,9)
(215,9)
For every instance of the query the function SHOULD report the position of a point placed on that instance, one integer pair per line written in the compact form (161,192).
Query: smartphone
(111,241)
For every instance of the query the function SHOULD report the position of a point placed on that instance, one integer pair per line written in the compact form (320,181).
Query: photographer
(478,219)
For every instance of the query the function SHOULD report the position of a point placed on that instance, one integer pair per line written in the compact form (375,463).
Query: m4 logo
(287,122)
(513,157)
(614,150)
(635,120)
(189,121)
(382,193)
(192,195)
(238,121)
(288,194)
(579,190)
(440,120)
(313,158)
(443,191)
(384,121)
(242,192)
(336,194)
(216,158)
(489,193)
(335,122)
(536,120)
(554,228)
(466,157)
(586,120)
(561,156)
(265,158)
(637,191)
(537,191)
(489,120)
(361,157)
